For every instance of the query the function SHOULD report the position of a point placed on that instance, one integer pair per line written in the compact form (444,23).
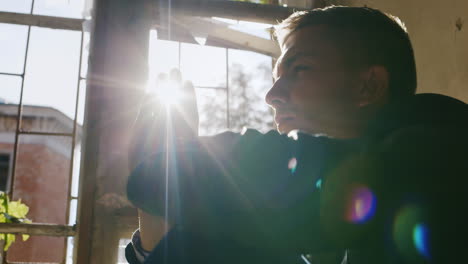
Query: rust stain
(459,24)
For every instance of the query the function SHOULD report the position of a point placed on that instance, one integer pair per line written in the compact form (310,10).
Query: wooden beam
(41,21)
(37,229)
(261,13)
(117,75)
(221,32)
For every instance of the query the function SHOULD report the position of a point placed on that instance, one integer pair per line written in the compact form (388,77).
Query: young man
(339,66)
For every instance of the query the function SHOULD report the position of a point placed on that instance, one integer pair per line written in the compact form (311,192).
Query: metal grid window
(40,137)
(230,84)
(221,94)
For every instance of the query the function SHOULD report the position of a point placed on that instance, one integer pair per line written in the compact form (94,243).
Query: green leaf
(18,209)
(10,238)
(12,212)
(26,221)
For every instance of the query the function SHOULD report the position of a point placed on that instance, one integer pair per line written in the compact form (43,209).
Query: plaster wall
(439,33)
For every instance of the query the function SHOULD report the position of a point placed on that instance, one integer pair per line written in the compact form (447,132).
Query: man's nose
(278,93)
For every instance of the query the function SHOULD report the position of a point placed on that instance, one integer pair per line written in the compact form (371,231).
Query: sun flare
(168,93)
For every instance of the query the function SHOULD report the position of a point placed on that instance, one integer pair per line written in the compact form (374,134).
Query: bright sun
(167,92)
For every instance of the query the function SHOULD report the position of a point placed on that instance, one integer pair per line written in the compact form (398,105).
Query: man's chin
(284,129)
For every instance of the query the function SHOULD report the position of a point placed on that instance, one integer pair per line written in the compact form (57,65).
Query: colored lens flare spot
(361,206)
(420,239)
(411,233)
(292,165)
(318,184)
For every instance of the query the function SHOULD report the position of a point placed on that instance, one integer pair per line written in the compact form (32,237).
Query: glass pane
(70,245)
(298,3)
(250,80)
(6,159)
(12,47)
(37,249)
(257,29)
(204,65)
(212,111)
(76,169)
(9,99)
(42,177)
(163,56)
(84,59)
(41,182)
(60,8)
(11,89)
(16,6)
(51,89)
(81,103)
(78,142)
(73,208)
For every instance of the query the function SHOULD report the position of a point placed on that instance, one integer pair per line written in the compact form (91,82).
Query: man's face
(314,91)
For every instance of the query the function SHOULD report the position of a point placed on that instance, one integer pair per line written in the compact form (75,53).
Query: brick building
(42,174)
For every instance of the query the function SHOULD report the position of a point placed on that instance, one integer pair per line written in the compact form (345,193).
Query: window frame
(50,22)
(9,172)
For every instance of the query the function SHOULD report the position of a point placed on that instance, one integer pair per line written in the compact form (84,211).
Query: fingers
(191,105)
(148,130)
(184,114)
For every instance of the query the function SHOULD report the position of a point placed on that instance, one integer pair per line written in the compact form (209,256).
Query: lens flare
(244,130)
(411,234)
(361,206)
(166,92)
(318,184)
(293,134)
(292,164)
(420,239)
(169,93)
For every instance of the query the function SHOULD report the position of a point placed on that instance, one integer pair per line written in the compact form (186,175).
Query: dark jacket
(267,198)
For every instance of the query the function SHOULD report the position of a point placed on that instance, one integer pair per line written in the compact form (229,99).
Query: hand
(158,121)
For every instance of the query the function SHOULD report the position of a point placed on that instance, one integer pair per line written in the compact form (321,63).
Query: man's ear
(374,86)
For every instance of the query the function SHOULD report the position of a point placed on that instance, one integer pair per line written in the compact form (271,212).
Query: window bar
(210,87)
(18,126)
(11,74)
(18,117)
(227,90)
(179,62)
(72,155)
(39,133)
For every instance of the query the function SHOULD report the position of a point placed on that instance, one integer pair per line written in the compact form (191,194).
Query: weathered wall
(41,183)
(439,32)
(41,178)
